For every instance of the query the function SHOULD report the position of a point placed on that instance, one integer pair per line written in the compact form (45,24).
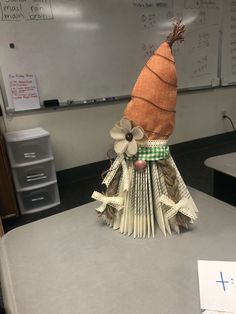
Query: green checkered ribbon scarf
(151,153)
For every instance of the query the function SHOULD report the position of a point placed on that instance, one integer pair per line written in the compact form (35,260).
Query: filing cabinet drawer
(34,174)
(38,199)
(29,150)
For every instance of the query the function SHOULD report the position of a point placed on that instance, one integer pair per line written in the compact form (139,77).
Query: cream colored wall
(199,113)
(81,136)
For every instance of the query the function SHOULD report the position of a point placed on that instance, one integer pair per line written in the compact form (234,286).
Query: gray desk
(223,163)
(70,264)
(224,167)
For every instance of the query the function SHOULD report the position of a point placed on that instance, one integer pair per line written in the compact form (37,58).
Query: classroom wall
(81,135)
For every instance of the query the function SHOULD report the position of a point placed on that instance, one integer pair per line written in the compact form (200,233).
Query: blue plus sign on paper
(217,285)
(222,281)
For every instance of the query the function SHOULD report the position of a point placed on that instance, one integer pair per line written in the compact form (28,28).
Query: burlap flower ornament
(126,137)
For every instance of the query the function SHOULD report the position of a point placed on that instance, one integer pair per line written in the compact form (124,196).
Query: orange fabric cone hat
(153,99)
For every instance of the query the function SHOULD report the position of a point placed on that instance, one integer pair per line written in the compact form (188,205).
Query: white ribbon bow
(114,201)
(183,206)
(120,160)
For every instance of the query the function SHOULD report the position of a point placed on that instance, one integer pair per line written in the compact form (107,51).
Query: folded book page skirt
(150,193)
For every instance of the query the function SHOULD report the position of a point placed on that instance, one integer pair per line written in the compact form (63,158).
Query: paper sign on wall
(217,284)
(24,92)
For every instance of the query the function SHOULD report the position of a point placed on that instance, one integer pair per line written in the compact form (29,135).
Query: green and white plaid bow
(151,153)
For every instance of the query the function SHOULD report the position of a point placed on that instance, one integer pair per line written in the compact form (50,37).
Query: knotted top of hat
(153,99)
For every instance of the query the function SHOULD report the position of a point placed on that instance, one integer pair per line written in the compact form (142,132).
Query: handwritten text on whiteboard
(28,10)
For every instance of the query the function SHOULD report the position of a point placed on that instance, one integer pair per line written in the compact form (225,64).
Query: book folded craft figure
(144,189)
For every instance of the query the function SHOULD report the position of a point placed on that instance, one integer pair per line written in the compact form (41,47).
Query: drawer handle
(38,199)
(30,176)
(37,178)
(30,155)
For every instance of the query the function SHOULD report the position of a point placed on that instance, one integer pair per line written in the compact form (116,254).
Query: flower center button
(129,137)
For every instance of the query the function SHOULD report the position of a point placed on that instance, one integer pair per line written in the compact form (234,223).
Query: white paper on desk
(24,91)
(217,285)
(215,312)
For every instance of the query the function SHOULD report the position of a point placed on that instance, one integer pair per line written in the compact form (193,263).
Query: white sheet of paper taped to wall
(24,91)
(217,286)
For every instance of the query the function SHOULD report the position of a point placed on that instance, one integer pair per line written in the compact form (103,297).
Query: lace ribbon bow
(183,206)
(120,160)
(114,201)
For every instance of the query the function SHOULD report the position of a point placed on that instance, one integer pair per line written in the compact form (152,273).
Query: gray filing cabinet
(33,169)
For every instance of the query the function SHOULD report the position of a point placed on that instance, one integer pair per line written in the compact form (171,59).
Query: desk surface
(71,263)
(223,163)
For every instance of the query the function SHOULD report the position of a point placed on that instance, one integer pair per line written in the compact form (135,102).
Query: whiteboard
(86,49)
(228,59)
(197,58)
